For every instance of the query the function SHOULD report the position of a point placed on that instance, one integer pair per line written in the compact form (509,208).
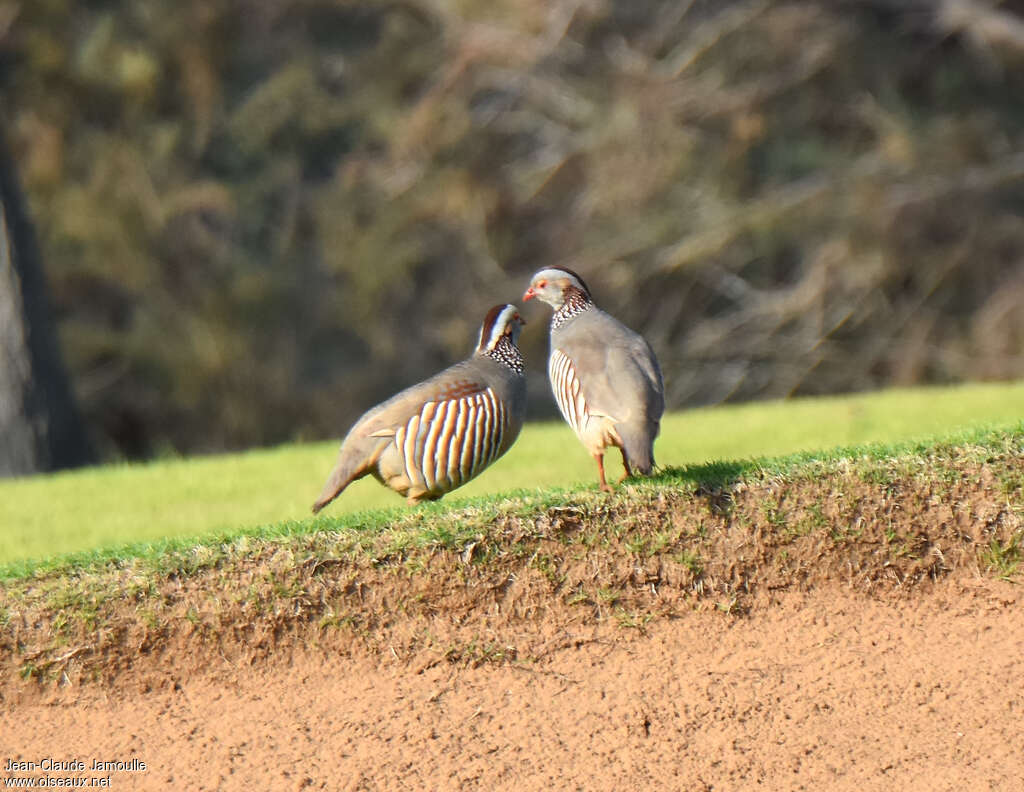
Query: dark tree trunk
(40,427)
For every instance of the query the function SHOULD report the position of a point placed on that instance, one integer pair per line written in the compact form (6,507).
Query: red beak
(529,294)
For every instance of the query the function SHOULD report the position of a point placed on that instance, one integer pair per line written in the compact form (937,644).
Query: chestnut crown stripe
(495,323)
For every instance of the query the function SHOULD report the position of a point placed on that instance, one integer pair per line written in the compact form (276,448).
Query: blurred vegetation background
(259,217)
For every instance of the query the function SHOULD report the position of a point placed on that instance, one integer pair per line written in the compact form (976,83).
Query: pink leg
(600,473)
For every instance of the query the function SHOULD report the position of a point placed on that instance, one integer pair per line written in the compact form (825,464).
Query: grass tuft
(1002,557)
(868,516)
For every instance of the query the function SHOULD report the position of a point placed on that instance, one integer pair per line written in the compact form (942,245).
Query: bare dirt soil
(855,630)
(828,690)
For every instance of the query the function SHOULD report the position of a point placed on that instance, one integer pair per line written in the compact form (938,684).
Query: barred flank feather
(568,393)
(449,442)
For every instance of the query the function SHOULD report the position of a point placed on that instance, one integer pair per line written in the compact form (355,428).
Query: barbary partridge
(605,377)
(433,437)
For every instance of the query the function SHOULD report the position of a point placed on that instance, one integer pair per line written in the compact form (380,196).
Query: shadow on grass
(713,481)
(708,476)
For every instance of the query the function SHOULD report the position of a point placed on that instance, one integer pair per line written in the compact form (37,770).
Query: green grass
(108,507)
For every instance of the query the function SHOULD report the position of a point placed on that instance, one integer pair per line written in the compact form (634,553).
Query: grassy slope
(49,515)
(468,584)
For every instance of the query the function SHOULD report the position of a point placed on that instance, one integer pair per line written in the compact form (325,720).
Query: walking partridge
(605,377)
(433,437)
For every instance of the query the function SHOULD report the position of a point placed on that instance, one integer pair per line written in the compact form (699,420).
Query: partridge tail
(344,473)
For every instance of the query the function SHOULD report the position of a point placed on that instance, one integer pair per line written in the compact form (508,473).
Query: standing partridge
(433,437)
(605,377)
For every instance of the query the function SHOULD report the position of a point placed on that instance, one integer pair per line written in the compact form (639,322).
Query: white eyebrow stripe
(500,323)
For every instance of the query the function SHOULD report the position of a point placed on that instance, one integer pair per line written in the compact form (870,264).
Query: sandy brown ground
(827,690)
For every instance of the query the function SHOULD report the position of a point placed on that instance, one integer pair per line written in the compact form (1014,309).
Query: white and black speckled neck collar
(506,353)
(576,302)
